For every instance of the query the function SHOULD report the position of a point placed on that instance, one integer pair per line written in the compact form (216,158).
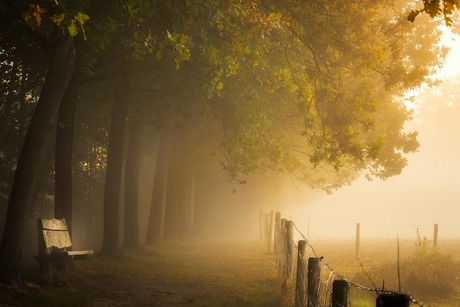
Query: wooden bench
(54,247)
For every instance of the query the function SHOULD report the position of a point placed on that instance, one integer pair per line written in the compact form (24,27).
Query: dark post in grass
(300,299)
(289,248)
(358,235)
(314,275)
(435,236)
(393,300)
(339,293)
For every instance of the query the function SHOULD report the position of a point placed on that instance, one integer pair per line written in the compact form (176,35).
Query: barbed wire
(372,224)
(351,282)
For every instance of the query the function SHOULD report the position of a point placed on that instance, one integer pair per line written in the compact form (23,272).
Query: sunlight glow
(451,67)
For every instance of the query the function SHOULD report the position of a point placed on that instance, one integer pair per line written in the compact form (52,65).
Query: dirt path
(183,273)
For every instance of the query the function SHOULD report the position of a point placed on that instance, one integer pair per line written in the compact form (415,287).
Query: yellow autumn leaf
(72,28)
(58,18)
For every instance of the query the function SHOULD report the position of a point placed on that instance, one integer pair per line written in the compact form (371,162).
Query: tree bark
(133,159)
(175,194)
(157,208)
(63,153)
(32,154)
(110,241)
(187,186)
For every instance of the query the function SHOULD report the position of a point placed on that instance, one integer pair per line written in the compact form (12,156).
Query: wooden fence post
(261,224)
(393,300)
(270,231)
(339,293)
(300,289)
(266,225)
(314,275)
(435,236)
(276,235)
(358,237)
(289,248)
(282,247)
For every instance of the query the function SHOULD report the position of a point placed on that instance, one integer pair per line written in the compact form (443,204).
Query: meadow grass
(431,275)
(175,273)
(194,272)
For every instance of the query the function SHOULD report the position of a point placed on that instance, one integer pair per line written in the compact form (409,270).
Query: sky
(427,191)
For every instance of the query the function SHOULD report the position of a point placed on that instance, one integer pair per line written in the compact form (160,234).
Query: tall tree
(61,68)
(121,90)
(155,227)
(63,153)
(133,161)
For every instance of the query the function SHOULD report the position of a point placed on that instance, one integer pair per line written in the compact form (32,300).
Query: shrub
(429,271)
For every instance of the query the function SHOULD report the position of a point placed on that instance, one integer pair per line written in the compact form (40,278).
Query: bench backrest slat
(53,234)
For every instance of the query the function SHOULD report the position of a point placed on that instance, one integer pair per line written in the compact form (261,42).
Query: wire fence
(324,285)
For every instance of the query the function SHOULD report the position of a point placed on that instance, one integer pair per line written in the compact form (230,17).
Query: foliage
(436,8)
(309,90)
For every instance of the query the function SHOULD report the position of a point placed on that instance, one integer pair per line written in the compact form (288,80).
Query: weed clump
(429,271)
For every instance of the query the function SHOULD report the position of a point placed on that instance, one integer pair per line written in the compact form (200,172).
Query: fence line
(316,292)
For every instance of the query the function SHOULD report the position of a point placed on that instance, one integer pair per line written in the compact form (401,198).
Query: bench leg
(45,269)
(61,265)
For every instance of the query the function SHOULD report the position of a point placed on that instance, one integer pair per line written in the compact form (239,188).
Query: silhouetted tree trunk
(131,238)
(186,203)
(178,197)
(157,208)
(175,188)
(63,153)
(62,64)
(110,241)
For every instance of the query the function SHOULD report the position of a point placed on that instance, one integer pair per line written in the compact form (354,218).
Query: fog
(426,192)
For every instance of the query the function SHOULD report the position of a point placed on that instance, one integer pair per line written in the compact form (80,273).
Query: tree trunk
(176,185)
(32,154)
(63,154)
(110,241)
(157,208)
(133,158)
(186,203)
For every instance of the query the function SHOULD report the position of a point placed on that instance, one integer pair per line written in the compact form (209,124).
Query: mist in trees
(174,119)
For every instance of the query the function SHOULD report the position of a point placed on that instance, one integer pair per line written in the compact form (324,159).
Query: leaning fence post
(300,299)
(393,300)
(289,248)
(339,293)
(358,235)
(270,231)
(435,236)
(314,275)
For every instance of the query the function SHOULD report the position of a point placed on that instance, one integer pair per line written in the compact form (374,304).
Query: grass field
(430,275)
(203,273)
